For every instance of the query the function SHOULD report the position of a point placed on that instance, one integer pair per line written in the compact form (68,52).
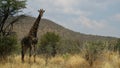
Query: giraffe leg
(22,57)
(23,53)
(30,53)
(34,49)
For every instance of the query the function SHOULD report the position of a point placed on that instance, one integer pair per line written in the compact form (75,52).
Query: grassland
(73,43)
(108,60)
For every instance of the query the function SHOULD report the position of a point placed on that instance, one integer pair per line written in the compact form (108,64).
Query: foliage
(7,45)
(9,8)
(48,43)
(69,46)
(92,50)
(66,56)
(117,46)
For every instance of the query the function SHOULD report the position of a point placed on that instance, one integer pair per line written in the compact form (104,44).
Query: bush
(117,46)
(69,46)
(7,45)
(92,50)
(48,43)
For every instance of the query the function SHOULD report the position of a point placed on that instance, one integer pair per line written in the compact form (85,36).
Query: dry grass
(108,60)
(16,63)
(76,62)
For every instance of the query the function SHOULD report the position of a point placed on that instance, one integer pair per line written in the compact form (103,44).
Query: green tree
(48,43)
(9,8)
(7,46)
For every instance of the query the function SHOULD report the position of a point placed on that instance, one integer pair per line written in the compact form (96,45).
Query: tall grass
(108,60)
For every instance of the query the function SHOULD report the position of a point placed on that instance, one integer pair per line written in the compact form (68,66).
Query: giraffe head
(41,11)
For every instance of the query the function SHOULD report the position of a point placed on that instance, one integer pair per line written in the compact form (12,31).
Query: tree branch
(9,27)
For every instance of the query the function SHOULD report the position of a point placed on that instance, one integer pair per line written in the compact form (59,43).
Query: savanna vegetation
(60,48)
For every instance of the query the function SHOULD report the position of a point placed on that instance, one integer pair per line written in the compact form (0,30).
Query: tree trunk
(3,23)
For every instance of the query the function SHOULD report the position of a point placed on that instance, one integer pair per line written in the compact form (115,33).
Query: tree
(7,46)
(9,8)
(48,43)
(92,50)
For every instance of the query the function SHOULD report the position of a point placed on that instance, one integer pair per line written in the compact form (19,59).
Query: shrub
(69,46)
(7,45)
(48,44)
(92,50)
(117,46)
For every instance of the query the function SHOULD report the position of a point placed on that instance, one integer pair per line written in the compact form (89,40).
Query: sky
(96,17)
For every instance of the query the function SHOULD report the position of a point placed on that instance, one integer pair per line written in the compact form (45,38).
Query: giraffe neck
(34,29)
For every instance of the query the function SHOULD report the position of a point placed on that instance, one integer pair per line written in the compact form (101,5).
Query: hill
(25,22)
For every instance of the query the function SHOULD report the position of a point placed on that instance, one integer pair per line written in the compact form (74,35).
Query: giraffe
(30,41)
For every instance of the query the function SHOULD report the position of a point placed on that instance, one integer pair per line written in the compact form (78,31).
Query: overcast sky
(97,17)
